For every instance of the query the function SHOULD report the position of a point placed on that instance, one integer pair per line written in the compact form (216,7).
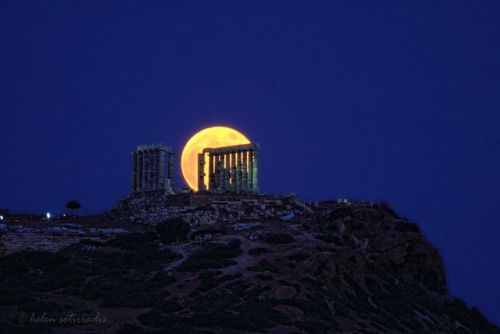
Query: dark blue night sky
(394,100)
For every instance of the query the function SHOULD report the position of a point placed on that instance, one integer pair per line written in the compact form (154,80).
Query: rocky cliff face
(337,267)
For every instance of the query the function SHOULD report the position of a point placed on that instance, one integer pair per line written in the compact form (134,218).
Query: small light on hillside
(48,215)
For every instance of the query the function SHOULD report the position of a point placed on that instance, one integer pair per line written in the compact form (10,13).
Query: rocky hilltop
(331,267)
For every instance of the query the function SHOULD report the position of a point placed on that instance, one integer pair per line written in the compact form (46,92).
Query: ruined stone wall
(200,209)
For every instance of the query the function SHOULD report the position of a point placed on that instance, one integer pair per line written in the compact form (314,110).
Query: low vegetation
(278,238)
(347,277)
(175,229)
(212,256)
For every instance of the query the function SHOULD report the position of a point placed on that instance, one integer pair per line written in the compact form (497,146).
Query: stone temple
(152,169)
(227,174)
(230,169)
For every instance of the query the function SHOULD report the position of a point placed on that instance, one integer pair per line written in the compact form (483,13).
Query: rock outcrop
(330,268)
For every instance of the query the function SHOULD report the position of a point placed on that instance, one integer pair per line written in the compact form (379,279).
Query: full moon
(213,137)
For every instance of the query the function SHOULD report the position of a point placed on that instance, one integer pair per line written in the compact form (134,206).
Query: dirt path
(178,249)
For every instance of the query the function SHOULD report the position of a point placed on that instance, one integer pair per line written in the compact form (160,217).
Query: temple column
(225,162)
(164,172)
(250,170)
(220,178)
(233,170)
(238,172)
(234,167)
(170,174)
(216,171)
(244,172)
(227,170)
(139,171)
(201,172)
(161,182)
(210,171)
(255,180)
(154,174)
(143,167)
(151,160)
(140,167)
(220,172)
(151,168)
(149,171)
(159,177)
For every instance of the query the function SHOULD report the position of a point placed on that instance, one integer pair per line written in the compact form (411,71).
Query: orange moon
(214,137)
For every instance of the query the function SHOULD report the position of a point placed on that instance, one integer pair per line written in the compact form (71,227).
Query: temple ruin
(152,169)
(232,169)
(225,174)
